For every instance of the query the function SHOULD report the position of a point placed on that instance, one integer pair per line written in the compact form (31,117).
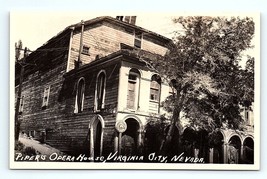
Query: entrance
(96,137)
(218,148)
(248,150)
(234,150)
(130,138)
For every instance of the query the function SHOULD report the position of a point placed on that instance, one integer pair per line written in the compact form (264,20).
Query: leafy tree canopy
(204,66)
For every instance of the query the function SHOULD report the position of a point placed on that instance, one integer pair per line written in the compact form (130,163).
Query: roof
(117,22)
(113,21)
(138,56)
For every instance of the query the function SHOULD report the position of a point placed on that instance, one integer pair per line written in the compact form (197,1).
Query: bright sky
(36,28)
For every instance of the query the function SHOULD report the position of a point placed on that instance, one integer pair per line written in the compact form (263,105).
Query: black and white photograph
(134,91)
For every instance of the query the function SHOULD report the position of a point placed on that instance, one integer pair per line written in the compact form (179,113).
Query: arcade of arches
(226,146)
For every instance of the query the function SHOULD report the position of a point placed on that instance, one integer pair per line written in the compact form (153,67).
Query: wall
(144,101)
(74,126)
(105,38)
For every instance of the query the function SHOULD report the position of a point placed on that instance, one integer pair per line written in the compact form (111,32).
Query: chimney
(128,19)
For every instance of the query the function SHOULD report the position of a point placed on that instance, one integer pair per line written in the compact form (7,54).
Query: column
(211,151)
(116,143)
(225,152)
(139,142)
(241,154)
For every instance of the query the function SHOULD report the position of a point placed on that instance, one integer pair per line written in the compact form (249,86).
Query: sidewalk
(41,148)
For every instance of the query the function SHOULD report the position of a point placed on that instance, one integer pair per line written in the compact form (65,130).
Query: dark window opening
(155,88)
(100,91)
(85,50)
(46,97)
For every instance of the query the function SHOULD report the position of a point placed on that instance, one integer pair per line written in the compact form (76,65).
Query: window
(46,97)
(133,89)
(247,116)
(119,18)
(155,88)
(85,50)
(100,91)
(21,104)
(79,96)
(130,19)
(172,87)
(138,39)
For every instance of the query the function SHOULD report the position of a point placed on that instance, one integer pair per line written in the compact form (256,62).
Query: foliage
(204,61)
(30,151)
(155,130)
(19,146)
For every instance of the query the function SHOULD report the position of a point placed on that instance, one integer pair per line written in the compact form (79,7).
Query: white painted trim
(76,98)
(104,91)
(92,127)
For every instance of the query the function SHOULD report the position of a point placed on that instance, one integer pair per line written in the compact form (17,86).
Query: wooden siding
(72,129)
(34,117)
(105,39)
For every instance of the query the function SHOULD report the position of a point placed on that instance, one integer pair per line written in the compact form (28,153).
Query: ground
(33,147)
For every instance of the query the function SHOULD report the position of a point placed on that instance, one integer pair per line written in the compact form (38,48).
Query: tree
(204,66)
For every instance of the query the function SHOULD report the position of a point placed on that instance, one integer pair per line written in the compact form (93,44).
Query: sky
(34,29)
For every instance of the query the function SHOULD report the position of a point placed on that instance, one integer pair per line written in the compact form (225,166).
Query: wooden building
(88,78)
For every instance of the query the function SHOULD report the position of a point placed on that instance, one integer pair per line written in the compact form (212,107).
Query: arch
(79,100)
(96,127)
(155,92)
(188,140)
(100,90)
(248,136)
(234,149)
(135,70)
(131,138)
(100,118)
(217,145)
(248,150)
(173,147)
(136,118)
(222,133)
(172,87)
(189,134)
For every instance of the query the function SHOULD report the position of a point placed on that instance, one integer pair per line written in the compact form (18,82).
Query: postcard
(143,91)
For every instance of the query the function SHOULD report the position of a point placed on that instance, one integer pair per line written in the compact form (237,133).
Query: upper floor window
(247,117)
(172,87)
(137,39)
(21,104)
(85,50)
(100,90)
(155,88)
(133,89)
(46,97)
(79,95)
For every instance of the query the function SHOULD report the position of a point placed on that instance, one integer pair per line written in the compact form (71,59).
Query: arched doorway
(130,138)
(248,150)
(216,141)
(201,146)
(172,148)
(189,141)
(234,150)
(96,136)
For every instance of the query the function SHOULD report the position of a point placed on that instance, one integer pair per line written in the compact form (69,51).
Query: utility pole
(18,48)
